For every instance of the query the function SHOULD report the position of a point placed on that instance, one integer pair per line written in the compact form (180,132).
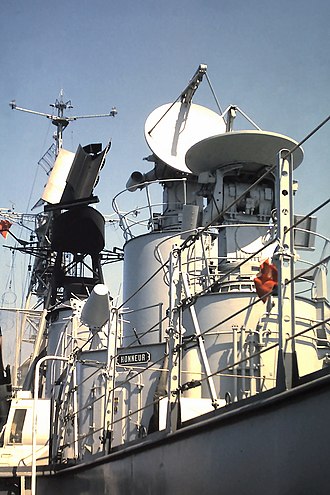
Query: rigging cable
(265,174)
(213,93)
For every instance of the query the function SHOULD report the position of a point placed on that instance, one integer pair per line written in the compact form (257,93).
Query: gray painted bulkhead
(276,445)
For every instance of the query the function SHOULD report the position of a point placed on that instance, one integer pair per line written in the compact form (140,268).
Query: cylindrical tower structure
(145,287)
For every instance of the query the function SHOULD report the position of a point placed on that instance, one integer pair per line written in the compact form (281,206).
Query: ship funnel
(96,311)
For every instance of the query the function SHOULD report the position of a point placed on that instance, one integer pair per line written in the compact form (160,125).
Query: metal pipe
(244,358)
(75,414)
(200,340)
(149,206)
(17,352)
(235,370)
(110,394)
(184,191)
(34,418)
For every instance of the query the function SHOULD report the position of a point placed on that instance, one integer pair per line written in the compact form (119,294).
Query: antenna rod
(59,120)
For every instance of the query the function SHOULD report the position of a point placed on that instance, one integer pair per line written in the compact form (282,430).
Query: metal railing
(129,220)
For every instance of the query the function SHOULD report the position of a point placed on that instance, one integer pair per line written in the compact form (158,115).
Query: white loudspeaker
(96,311)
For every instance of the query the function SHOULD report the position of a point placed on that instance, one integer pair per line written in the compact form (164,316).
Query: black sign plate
(134,358)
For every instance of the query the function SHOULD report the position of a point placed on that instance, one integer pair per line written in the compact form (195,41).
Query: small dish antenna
(172,129)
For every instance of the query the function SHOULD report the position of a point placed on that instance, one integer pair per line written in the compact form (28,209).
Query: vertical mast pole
(60,121)
(287,362)
(174,340)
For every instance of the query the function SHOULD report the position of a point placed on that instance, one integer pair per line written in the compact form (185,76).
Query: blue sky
(271,58)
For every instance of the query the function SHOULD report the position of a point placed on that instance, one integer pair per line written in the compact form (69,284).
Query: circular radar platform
(252,149)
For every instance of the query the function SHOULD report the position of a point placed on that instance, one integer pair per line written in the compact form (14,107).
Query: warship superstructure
(211,375)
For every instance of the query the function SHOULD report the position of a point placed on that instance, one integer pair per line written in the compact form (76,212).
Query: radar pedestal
(228,164)
(77,232)
(170,131)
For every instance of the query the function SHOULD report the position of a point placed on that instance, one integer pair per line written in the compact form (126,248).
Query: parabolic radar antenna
(172,129)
